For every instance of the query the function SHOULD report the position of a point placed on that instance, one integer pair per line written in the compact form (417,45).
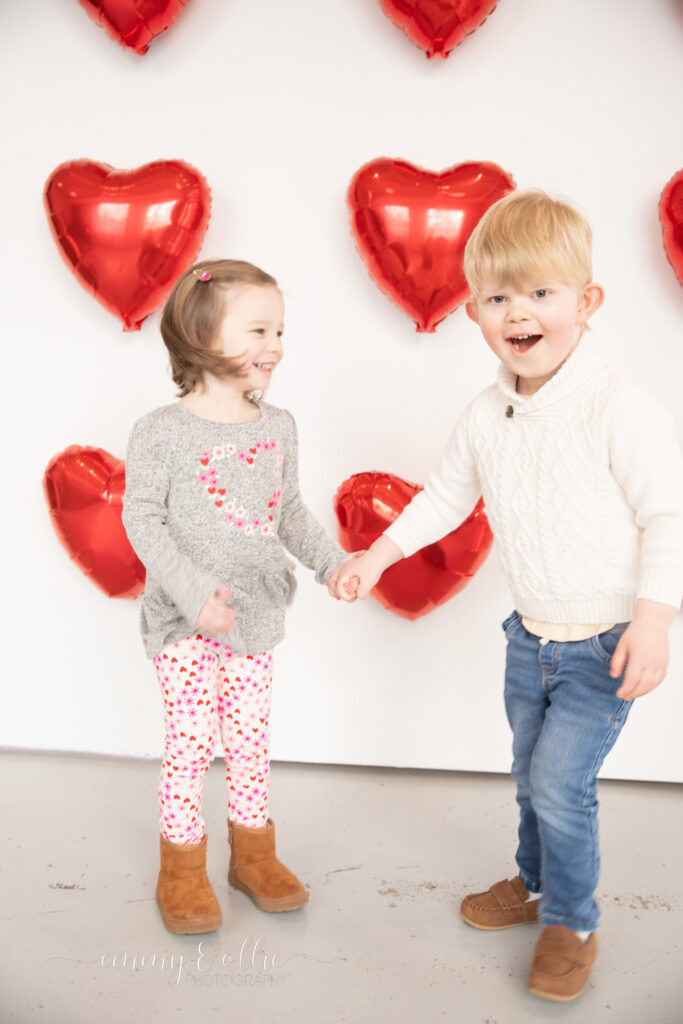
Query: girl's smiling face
(252,332)
(533,328)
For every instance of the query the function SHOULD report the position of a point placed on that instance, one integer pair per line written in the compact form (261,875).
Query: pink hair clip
(204,276)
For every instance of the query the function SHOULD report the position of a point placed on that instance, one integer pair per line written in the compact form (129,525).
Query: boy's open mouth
(523,342)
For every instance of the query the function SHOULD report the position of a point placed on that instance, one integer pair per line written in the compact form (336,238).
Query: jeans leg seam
(544,889)
(593,811)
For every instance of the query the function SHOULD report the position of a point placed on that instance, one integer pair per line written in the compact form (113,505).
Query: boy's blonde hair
(192,318)
(526,236)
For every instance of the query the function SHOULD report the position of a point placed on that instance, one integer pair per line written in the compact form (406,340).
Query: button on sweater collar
(575,371)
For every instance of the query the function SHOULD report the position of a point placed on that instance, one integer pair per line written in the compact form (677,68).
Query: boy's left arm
(644,649)
(646,460)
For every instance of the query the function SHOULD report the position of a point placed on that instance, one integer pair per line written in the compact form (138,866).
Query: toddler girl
(212,501)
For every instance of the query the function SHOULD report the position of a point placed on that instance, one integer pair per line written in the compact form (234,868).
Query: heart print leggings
(206,692)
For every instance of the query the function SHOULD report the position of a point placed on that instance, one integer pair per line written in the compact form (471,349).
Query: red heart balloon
(367,503)
(671,217)
(84,491)
(128,235)
(411,227)
(437,25)
(134,23)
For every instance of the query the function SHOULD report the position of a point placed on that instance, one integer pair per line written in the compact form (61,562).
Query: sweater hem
(153,647)
(583,611)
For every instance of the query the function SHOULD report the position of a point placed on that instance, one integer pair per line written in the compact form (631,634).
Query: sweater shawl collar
(579,367)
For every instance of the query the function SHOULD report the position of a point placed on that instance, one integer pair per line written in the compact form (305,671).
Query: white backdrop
(278,105)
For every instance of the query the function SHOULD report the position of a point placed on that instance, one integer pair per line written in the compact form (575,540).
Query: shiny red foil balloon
(84,491)
(367,503)
(411,227)
(134,23)
(671,217)
(128,235)
(437,25)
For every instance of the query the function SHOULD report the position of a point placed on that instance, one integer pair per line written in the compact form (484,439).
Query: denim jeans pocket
(605,644)
(510,624)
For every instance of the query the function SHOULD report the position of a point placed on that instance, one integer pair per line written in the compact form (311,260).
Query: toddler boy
(582,478)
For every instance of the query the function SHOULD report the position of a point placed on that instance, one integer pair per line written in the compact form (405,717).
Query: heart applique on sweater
(254,522)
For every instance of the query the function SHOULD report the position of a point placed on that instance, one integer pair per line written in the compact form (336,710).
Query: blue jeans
(565,718)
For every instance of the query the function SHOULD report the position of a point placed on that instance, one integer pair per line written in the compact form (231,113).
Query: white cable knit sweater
(583,485)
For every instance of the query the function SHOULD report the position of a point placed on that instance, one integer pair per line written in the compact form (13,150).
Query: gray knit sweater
(211,505)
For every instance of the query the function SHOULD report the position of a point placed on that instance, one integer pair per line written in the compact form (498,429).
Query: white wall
(278,105)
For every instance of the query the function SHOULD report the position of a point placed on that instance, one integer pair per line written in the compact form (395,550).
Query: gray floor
(387,856)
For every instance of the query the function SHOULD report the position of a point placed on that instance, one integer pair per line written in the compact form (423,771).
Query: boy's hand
(215,616)
(333,580)
(357,577)
(644,649)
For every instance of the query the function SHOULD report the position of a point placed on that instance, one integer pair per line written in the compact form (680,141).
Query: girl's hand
(215,615)
(643,649)
(334,578)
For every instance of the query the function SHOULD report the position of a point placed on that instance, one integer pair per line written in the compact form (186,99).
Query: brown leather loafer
(562,963)
(504,905)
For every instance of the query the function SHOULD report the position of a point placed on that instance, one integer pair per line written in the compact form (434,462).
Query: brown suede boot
(256,871)
(184,895)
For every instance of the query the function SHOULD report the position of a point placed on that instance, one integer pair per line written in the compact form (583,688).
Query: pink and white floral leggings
(206,690)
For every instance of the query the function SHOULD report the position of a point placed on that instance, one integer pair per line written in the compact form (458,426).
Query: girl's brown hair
(192,317)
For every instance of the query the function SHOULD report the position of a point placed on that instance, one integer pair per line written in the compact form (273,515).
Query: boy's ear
(590,300)
(472,310)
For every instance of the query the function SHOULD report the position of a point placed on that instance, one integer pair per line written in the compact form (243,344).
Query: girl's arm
(144,519)
(299,530)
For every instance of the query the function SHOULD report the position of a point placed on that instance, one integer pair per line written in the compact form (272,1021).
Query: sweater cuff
(332,560)
(404,537)
(660,586)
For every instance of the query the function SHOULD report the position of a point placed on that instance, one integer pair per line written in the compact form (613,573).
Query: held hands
(359,573)
(353,578)
(215,616)
(643,649)
(349,585)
